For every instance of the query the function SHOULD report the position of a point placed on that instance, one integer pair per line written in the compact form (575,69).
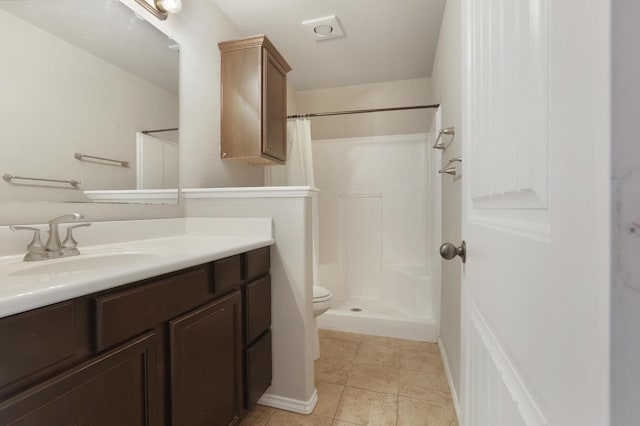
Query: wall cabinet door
(274,108)
(119,387)
(206,364)
(254,102)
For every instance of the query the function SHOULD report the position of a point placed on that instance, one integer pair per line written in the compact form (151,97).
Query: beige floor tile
(341,335)
(341,423)
(415,346)
(329,396)
(365,407)
(255,421)
(429,362)
(379,354)
(258,416)
(374,377)
(332,370)
(415,412)
(285,418)
(382,341)
(427,386)
(338,348)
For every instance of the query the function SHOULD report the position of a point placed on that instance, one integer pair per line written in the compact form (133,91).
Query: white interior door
(535,308)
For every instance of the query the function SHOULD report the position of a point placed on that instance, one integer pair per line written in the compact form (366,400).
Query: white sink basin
(83,263)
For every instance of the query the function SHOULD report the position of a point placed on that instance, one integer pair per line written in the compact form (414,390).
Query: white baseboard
(447,372)
(288,404)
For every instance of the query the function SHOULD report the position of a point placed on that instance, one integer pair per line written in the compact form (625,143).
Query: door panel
(507,48)
(535,213)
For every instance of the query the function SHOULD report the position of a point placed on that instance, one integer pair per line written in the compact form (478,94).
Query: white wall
(198,29)
(291,281)
(625,295)
(366,96)
(59,100)
(446,88)
(292,99)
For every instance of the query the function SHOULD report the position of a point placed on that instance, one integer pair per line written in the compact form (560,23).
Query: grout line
(335,414)
(398,407)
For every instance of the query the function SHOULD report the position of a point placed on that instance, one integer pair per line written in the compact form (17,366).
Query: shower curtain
(299,168)
(299,172)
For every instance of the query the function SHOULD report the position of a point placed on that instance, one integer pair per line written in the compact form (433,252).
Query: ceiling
(107,29)
(384,39)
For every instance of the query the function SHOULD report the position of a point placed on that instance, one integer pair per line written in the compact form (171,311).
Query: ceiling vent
(326,28)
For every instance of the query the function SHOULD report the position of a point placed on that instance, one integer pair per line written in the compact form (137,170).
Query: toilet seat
(321,294)
(321,303)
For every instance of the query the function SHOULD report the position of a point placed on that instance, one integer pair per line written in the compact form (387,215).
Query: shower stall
(379,232)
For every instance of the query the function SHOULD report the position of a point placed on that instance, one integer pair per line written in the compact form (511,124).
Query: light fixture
(161,8)
(169,6)
(323,28)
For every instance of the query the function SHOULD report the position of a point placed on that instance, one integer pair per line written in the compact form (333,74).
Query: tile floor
(369,380)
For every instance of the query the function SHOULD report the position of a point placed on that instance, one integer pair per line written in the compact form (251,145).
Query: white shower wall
(377,222)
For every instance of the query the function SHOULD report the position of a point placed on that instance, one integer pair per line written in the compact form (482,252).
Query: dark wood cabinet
(254,102)
(118,387)
(206,364)
(257,326)
(166,350)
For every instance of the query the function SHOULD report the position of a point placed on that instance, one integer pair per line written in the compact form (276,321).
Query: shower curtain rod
(361,111)
(146,132)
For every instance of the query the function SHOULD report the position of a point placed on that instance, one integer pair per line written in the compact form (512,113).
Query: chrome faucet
(53,248)
(53,245)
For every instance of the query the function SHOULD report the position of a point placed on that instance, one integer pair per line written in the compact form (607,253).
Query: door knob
(449,251)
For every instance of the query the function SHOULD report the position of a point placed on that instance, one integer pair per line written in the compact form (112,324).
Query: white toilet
(321,304)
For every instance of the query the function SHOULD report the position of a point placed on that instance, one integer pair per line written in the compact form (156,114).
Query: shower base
(375,318)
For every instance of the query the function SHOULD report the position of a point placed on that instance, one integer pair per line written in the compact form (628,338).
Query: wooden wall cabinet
(170,350)
(254,102)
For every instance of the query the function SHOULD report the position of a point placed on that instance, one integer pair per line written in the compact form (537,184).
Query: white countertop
(29,285)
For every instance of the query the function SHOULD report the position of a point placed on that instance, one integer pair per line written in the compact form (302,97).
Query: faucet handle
(70,242)
(36,244)
(71,217)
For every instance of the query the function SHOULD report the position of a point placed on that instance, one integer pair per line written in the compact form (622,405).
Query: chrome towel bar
(9,177)
(81,156)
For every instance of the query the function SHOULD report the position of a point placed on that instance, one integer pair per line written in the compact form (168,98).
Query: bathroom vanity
(191,346)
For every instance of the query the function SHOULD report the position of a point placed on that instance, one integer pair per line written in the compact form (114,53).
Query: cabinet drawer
(258,370)
(35,340)
(257,308)
(227,273)
(122,315)
(258,263)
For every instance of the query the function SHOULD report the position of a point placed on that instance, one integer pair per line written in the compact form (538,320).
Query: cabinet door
(119,387)
(206,364)
(258,373)
(274,108)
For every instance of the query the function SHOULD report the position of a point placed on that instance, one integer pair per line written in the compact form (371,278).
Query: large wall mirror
(88,104)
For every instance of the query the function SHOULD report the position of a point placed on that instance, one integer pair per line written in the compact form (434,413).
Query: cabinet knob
(224,154)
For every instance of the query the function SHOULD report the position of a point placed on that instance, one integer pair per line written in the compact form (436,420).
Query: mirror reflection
(89,96)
